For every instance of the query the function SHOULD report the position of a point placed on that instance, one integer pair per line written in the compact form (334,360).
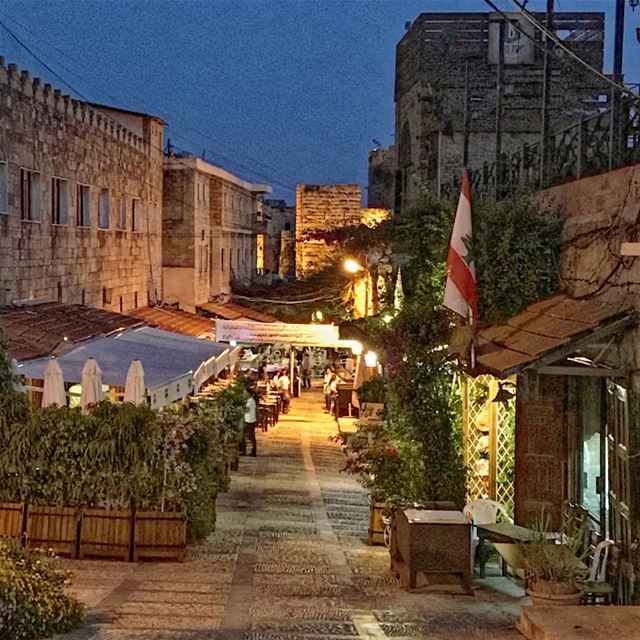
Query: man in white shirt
(250,420)
(284,385)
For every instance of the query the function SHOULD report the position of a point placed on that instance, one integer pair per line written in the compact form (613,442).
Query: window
(103,209)
(30,195)
(83,206)
(4,200)
(59,201)
(122,215)
(135,214)
(222,260)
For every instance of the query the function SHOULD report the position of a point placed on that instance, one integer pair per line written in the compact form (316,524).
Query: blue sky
(275,90)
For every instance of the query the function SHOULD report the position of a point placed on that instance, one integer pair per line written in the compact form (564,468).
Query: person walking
(250,419)
(306,370)
(333,395)
(284,385)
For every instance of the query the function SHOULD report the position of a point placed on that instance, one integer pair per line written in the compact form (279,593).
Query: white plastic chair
(483,511)
(596,585)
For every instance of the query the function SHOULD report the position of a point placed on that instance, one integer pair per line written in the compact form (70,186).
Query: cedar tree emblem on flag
(461,294)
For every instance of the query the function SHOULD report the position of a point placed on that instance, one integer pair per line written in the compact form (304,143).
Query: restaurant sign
(297,335)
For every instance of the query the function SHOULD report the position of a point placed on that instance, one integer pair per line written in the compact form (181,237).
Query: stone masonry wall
(322,208)
(55,136)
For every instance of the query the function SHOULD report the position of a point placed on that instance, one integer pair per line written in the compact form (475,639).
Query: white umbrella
(17,385)
(91,384)
(134,389)
(53,385)
(358,380)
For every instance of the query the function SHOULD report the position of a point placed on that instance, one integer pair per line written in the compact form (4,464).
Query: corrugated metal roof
(36,330)
(164,356)
(233,311)
(542,328)
(175,320)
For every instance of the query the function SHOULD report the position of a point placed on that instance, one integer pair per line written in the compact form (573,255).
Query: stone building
(322,207)
(208,237)
(275,240)
(446,90)
(382,178)
(80,196)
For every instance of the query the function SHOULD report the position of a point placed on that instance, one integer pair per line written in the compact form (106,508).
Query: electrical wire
(271,179)
(530,18)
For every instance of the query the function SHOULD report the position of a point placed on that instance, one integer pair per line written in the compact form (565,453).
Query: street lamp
(371,359)
(356,348)
(353,266)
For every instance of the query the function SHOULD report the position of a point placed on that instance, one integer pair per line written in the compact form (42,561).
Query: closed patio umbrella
(358,380)
(91,384)
(134,389)
(53,393)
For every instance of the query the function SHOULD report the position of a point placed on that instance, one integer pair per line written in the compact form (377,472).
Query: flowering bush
(33,601)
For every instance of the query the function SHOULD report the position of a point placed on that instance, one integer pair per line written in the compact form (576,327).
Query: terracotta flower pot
(554,594)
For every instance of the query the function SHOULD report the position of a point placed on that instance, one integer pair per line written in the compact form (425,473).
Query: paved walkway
(287,562)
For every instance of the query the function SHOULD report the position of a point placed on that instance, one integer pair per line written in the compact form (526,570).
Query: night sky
(273,90)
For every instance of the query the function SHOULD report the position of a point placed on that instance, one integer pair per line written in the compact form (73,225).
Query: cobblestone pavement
(287,562)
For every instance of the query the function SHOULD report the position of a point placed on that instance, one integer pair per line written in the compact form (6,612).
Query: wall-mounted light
(233,343)
(356,349)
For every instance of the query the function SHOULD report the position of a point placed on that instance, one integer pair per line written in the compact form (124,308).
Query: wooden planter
(159,534)
(105,533)
(53,528)
(11,519)
(376,525)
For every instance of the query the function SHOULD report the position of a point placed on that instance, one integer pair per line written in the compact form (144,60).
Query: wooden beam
(583,371)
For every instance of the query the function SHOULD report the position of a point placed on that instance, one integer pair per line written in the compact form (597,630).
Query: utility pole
(499,88)
(616,95)
(546,92)
(465,142)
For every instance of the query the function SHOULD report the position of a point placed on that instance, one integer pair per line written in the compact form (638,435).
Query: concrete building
(80,196)
(446,90)
(208,237)
(382,178)
(275,231)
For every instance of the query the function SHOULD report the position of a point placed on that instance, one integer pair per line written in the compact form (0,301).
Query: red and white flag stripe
(461,294)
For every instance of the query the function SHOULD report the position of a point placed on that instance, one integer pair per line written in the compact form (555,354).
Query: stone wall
(382,178)
(277,218)
(432,60)
(322,208)
(50,135)
(601,212)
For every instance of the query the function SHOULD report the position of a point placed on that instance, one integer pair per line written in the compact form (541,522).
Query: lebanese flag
(461,293)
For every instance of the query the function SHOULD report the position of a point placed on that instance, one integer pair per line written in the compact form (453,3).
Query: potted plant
(554,563)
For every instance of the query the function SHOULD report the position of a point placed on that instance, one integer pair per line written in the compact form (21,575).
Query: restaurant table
(500,532)
(433,545)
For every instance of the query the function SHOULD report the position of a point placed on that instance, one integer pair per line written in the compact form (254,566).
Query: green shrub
(33,601)
(374,390)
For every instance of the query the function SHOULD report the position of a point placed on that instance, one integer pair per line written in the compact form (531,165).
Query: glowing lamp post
(354,267)
(371,359)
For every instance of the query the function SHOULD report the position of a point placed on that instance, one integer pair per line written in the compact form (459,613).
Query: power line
(276,182)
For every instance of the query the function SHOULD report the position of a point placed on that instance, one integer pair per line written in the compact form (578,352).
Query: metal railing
(592,145)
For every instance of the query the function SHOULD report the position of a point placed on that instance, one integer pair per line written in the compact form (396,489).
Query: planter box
(11,519)
(159,534)
(53,527)
(105,533)
(376,526)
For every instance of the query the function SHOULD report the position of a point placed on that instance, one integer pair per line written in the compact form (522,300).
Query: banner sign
(297,335)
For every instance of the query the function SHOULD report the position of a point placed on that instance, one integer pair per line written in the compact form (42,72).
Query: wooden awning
(548,331)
